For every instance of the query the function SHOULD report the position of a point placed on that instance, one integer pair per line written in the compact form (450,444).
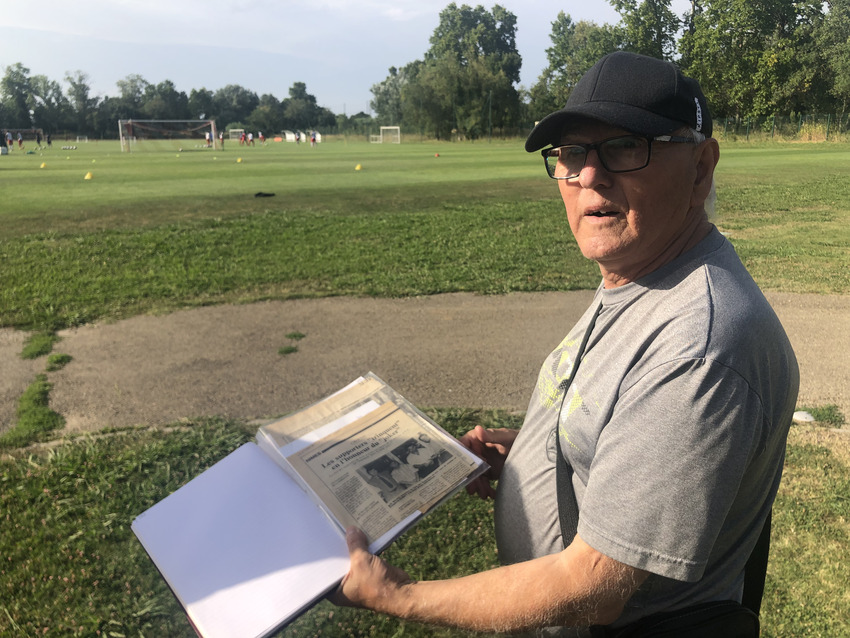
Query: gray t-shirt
(675,428)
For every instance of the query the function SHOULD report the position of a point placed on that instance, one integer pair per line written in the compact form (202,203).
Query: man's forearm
(576,587)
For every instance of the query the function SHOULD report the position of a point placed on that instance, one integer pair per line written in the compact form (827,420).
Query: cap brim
(632,119)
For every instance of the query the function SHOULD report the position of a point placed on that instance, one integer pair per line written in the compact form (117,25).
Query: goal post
(167,135)
(388,134)
(391,134)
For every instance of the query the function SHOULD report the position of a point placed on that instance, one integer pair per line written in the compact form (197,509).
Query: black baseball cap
(640,94)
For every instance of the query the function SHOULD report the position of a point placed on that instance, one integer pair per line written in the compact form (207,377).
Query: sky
(338,48)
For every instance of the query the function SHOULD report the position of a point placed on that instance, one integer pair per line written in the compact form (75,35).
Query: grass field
(154,232)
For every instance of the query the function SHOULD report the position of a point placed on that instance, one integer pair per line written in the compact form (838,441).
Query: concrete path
(459,350)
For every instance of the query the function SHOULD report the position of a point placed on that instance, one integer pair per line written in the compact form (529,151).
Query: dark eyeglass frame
(595,147)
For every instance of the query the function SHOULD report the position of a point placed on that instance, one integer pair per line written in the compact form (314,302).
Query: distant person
(262,138)
(297,137)
(313,138)
(20,140)
(38,139)
(49,141)
(9,140)
(250,139)
(221,139)
(242,139)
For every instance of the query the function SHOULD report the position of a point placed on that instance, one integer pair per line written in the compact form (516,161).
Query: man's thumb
(356,539)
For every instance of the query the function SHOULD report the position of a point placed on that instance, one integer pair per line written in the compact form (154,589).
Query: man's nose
(593,172)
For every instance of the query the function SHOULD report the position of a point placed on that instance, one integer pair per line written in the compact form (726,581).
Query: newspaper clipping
(378,470)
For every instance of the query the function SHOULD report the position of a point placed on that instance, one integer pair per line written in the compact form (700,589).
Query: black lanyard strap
(567,505)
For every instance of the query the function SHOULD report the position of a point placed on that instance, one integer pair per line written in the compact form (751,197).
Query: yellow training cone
(238,160)
(358,167)
(43,164)
(88,176)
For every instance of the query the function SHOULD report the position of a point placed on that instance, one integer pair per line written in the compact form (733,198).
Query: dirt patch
(15,374)
(460,350)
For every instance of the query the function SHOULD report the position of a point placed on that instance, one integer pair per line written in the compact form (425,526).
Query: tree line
(34,101)
(753,58)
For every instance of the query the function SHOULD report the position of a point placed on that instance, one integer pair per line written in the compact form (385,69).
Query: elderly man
(654,441)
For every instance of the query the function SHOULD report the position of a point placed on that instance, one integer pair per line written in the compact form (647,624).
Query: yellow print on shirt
(574,403)
(548,391)
(549,383)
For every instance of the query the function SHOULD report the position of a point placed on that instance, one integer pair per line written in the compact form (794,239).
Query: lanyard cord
(567,505)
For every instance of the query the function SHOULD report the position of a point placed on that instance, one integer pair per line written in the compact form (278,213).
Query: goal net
(389,134)
(167,135)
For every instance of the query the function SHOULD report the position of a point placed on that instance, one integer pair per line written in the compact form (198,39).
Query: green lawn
(154,232)
(158,231)
(72,567)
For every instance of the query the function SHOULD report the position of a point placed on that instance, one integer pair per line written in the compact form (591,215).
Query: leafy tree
(16,93)
(429,98)
(300,109)
(413,112)
(466,82)
(83,106)
(131,96)
(51,109)
(466,34)
(648,28)
(164,102)
(325,119)
(268,115)
(747,55)
(833,38)
(576,46)
(109,111)
(358,124)
(233,103)
(387,102)
(201,104)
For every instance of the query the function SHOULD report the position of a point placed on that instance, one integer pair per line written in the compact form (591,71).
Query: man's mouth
(603,213)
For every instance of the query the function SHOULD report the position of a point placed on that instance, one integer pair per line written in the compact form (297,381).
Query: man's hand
(493,446)
(576,587)
(370,582)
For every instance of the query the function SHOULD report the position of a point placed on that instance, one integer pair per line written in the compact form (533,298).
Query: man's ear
(707,155)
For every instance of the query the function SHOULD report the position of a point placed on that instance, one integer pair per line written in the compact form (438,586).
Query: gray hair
(710,203)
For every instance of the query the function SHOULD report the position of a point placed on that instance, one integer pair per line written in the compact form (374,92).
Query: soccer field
(47,189)
(162,230)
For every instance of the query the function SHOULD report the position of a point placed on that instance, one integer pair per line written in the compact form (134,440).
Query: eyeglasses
(617,154)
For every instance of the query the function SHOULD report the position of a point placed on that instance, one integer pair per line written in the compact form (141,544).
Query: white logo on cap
(699,114)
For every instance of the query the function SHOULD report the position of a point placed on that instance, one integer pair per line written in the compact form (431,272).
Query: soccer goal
(235,133)
(389,134)
(167,135)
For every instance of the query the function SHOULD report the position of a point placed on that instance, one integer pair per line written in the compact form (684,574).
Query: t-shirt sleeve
(668,465)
